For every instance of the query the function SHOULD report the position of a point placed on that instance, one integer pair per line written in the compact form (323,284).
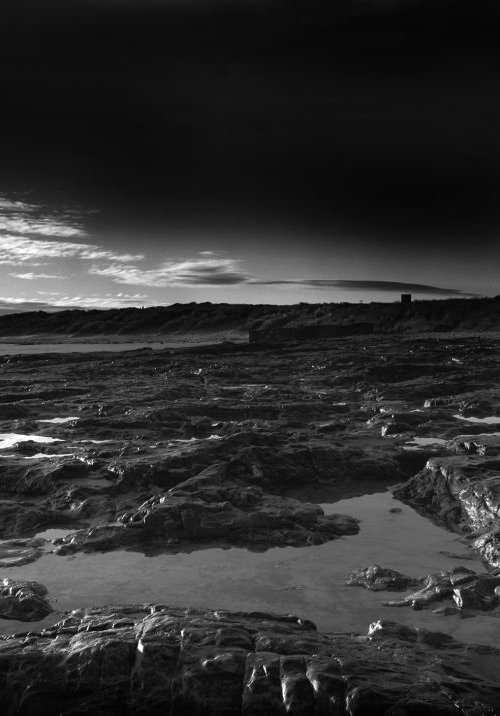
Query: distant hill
(479,314)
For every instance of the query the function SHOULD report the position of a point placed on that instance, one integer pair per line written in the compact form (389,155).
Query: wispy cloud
(32,234)
(30,276)
(364,286)
(17,250)
(107,300)
(60,303)
(20,305)
(19,217)
(209,270)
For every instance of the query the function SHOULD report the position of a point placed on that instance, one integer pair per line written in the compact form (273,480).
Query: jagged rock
(463,492)
(23,601)
(440,402)
(155,660)
(379,578)
(468,589)
(482,444)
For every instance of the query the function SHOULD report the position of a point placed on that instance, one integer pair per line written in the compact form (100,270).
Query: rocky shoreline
(233,445)
(156,660)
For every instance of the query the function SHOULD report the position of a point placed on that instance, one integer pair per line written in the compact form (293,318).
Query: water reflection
(307,581)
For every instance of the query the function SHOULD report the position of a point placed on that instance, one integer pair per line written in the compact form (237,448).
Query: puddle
(307,581)
(491,420)
(416,443)
(44,456)
(177,441)
(8,440)
(82,347)
(53,534)
(59,421)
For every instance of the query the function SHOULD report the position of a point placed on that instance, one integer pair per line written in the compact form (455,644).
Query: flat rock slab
(144,659)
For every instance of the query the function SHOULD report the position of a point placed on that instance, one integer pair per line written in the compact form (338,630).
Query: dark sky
(277,144)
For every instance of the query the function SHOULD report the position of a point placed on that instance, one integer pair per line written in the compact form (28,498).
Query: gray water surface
(306,581)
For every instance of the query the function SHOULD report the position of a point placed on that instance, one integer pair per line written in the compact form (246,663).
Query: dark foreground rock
(160,660)
(463,588)
(23,601)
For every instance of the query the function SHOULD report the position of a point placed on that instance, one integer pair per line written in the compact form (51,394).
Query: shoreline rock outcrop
(143,659)
(462,492)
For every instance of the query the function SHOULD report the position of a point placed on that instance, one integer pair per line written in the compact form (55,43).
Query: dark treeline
(479,314)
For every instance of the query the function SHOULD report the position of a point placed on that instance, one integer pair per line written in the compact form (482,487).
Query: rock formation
(157,660)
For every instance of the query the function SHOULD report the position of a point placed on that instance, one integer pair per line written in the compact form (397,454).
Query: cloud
(30,276)
(18,250)
(19,217)
(31,234)
(206,271)
(20,305)
(44,227)
(108,300)
(365,286)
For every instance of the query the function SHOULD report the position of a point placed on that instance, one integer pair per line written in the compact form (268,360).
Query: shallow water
(59,421)
(41,348)
(307,581)
(490,420)
(424,442)
(7,440)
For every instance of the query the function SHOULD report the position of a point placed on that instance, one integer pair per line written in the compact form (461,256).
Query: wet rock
(379,578)
(211,508)
(396,423)
(10,411)
(16,552)
(436,587)
(463,492)
(23,601)
(152,660)
(482,444)
(17,518)
(480,594)
(440,402)
(466,588)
